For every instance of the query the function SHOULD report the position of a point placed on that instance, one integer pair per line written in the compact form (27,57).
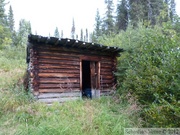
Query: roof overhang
(72,43)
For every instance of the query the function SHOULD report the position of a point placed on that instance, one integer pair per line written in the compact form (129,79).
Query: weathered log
(90,58)
(62,62)
(56,80)
(57,90)
(107,81)
(59,71)
(107,73)
(60,95)
(106,70)
(56,66)
(106,85)
(57,75)
(61,85)
(106,66)
(103,77)
(51,57)
(50,100)
(107,62)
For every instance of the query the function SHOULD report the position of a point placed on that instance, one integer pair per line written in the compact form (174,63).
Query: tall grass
(12,66)
(21,115)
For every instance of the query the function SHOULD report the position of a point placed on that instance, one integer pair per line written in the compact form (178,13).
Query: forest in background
(148,70)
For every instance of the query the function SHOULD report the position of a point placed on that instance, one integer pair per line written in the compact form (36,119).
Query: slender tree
(73,29)
(158,8)
(152,11)
(136,11)
(23,32)
(172,10)
(62,34)
(76,36)
(56,33)
(98,23)
(92,37)
(84,38)
(11,23)
(11,19)
(5,34)
(3,16)
(87,35)
(108,21)
(122,15)
(81,37)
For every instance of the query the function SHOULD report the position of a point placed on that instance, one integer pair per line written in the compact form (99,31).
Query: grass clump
(79,117)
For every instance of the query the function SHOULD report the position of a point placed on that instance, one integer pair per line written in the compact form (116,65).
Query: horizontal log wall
(107,78)
(59,71)
(59,97)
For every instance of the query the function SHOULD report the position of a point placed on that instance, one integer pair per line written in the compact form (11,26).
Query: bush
(149,70)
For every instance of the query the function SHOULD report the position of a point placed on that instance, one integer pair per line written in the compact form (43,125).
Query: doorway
(86,79)
(90,81)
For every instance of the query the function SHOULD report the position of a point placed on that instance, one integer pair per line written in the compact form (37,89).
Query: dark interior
(86,79)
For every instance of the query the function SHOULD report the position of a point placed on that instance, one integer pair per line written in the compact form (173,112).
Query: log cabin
(67,69)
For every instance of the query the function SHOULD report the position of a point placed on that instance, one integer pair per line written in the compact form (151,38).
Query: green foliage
(23,32)
(12,66)
(8,36)
(149,70)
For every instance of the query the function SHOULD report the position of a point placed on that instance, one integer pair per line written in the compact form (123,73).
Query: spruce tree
(56,33)
(122,15)
(76,36)
(11,19)
(73,29)
(158,7)
(11,23)
(87,35)
(84,38)
(81,37)
(3,17)
(137,11)
(98,23)
(5,35)
(62,34)
(23,32)
(92,37)
(147,11)
(108,21)
(172,10)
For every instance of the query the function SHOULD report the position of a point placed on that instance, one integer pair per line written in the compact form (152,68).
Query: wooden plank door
(95,81)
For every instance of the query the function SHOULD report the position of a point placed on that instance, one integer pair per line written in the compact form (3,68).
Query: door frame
(91,59)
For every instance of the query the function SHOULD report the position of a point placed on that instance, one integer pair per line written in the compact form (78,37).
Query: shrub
(149,70)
